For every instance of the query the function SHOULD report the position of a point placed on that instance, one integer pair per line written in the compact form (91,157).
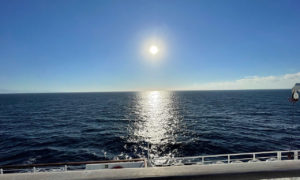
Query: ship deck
(289,169)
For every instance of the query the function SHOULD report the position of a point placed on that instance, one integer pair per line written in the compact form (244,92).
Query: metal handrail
(232,157)
(278,155)
(23,166)
(234,154)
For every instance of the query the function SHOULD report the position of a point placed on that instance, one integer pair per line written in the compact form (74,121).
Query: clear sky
(69,45)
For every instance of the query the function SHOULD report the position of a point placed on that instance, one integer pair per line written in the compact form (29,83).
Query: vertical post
(34,170)
(295,155)
(253,157)
(66,168)
(1,171)
(145,163)
(228,159)
(203,160)
(279,155)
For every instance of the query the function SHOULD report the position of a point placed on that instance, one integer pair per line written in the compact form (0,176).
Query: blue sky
(69,45)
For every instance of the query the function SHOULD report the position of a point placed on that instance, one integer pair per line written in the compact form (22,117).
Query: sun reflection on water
(157,121)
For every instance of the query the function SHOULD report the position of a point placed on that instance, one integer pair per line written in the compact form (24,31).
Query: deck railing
(228,158)
(170,161)
(64,166)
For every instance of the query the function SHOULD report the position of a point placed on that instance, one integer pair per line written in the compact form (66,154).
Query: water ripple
(42,128)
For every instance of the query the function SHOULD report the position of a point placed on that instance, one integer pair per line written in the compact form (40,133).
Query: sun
(153,50)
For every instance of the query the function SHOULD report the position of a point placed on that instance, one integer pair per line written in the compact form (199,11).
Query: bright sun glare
(153,50)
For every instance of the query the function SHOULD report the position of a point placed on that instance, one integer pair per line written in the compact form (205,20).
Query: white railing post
(145,163)
(203,160)
(66,168)
(253,156)
(1,171)
(295,155)
(279,155)
(34,170)
(228,159)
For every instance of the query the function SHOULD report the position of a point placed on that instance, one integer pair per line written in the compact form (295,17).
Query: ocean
(65,127)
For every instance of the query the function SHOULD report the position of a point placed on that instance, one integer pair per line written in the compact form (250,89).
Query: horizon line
(126,91)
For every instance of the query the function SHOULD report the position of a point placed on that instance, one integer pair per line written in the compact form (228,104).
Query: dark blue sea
(61,127)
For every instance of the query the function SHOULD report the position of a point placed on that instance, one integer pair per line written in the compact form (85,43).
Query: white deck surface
(257,170)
